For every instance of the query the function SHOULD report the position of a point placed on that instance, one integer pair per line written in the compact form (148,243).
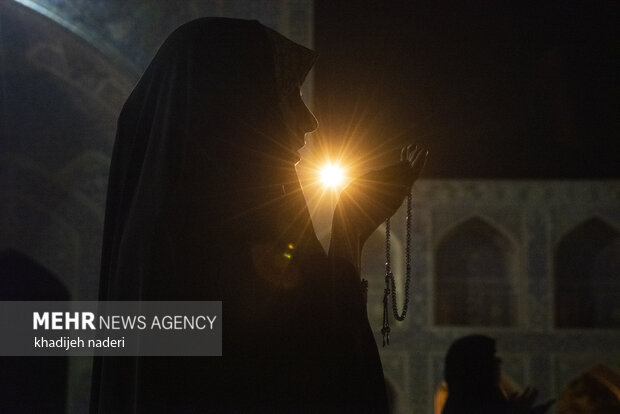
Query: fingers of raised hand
(414,157)
(413,154)
(409,153)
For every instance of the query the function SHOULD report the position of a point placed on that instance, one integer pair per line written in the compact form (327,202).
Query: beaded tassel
(390,285)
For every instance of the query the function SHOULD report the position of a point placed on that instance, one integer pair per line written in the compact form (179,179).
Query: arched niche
(475,276)
(31,384)
(587,277)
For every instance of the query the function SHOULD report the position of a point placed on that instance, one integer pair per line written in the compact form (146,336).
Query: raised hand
(372,198)
(375,196)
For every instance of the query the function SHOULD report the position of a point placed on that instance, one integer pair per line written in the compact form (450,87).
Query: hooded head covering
(202,151)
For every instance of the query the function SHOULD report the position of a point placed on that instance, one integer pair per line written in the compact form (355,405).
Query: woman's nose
(311,123)
(304,119)
(307,120)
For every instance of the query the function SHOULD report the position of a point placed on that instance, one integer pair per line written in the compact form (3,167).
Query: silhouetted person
(204,204)
(472,372)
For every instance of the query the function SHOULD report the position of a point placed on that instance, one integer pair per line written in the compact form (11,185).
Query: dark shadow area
(31,384)
(493,89)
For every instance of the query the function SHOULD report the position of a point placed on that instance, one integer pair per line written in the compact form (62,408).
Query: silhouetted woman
(473,372)
(203,202)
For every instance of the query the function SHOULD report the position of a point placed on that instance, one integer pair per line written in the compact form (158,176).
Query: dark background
(493,89)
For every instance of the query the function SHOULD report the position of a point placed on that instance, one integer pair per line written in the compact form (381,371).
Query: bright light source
(332,175)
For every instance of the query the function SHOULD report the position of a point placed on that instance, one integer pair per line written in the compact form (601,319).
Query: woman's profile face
(300,120)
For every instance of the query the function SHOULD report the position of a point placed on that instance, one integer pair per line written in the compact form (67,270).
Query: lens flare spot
(332,175)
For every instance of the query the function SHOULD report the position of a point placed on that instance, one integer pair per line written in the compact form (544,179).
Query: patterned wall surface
(131,31)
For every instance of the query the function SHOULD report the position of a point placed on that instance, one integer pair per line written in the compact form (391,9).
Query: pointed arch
(587,276)
(476,276)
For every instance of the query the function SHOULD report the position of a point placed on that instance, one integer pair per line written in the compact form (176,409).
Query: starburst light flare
(332,176)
